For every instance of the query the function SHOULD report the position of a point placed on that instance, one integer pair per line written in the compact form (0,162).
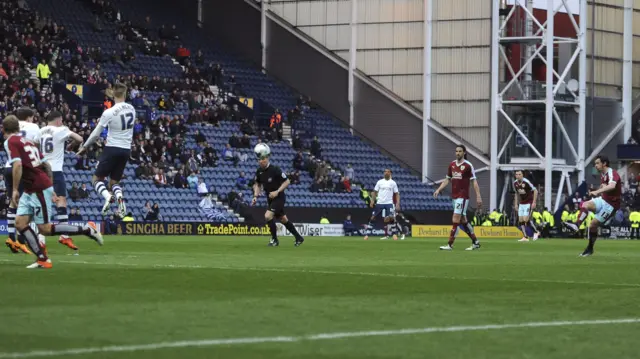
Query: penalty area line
(312,337)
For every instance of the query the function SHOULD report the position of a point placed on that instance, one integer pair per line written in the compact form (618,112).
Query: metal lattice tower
(549,101)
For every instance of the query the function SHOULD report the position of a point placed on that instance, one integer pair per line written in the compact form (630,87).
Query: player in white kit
(386,198)
(31,132)
(53,138)
(119,119)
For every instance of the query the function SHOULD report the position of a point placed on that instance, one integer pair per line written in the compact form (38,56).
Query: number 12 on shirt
(127,120)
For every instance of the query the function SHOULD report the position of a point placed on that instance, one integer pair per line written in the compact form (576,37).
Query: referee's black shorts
(276,206)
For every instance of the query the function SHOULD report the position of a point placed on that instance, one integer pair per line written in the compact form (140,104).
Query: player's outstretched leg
(584,212)
(102,190)
(117,192)
(90,230)
(293,230)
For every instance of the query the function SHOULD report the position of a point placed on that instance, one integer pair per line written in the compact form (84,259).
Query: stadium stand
(113,50)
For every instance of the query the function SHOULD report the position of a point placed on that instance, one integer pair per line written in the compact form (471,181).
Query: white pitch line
(312,337)
(368,274)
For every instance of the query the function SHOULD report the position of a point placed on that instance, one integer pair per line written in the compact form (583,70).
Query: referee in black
(274,182)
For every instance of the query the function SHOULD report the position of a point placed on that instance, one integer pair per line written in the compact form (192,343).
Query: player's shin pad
(32,241)
(62,228)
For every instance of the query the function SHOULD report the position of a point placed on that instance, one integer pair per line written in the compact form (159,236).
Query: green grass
(141,290)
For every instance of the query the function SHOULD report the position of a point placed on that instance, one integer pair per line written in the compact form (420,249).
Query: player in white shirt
(119,119)
(52,139)
(386,198)
(30,131)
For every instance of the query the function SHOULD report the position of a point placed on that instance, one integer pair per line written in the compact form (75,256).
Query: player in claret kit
(525,202)
(605,203)
(35,203)
(30,131)
(461,174)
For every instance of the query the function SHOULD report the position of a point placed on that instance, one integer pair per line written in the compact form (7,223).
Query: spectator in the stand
(179,180)
(202,188)
(234,141)
(97,25)
(154,213)
(107,103)
(348,226)
(3,185)
(294,177)
(160,179)
(298,161)
(200,138)
(577,200)
(192,162)
(110,225)
(245,141)
(316,148)
(141,171)
(199,58)
(346,182)
(43,72)
(241,181)
(74,214)
(161,103)
(350,173)
(246,128)
(296,143)
(163,49)
(74,192)
(317,185)
(192,180)
(84,191)
(210,156)
(227,153)
(633,183)
(182,54)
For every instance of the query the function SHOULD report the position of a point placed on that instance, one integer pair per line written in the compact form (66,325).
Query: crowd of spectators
(36,53)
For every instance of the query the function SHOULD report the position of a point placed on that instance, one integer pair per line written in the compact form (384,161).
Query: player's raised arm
(95,134)
(75,137)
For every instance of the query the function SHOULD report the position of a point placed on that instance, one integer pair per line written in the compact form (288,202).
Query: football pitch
(234,297)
